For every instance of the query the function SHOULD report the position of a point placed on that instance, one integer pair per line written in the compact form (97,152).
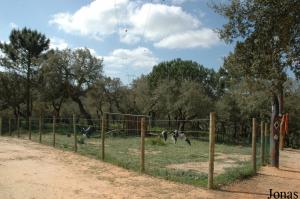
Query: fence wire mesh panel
(123,140)
(33,133)
(47,130)
(5,126)
(172,149)
(178,150)
(88,132)
(233,152)
(64,133)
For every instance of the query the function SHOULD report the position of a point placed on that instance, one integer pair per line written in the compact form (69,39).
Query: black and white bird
(87,132)
(178,134)
(175,135)
(164,135)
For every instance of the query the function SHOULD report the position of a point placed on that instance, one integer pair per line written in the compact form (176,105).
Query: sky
(131,36)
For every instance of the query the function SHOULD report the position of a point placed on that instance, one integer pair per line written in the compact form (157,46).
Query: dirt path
(32,171)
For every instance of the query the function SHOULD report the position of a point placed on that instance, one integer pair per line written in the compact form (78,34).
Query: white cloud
(156,21)
(128,64)
(98,19)
(134,21)
(138,58)
(92,51)
(58,43)
(175,2)
(204,38)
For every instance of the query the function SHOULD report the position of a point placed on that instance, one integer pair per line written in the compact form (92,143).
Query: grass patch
(155,141)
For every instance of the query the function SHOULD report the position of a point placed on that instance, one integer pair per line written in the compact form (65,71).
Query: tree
(22,55)
(12,92)
(181,70)
(268,35)
(75,72)
(53,78)
(108,94)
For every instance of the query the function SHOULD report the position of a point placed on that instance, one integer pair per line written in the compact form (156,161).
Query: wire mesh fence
(173,149)
(178,150)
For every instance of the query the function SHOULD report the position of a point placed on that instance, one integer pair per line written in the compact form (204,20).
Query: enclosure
(136,142)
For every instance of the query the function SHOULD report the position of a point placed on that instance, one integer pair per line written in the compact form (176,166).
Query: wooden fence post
(254,144)
(40,128)
(0,126)
(142,145)
(9,126)
(212,138)
(262,142)
(29,128)
(103,128)
(53,128)
(18,126)
(75,133)
(267,140)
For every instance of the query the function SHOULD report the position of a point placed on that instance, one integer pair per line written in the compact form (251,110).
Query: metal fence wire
(172,149)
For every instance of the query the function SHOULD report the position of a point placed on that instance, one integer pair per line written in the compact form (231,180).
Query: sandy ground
(222,161)
(32,171)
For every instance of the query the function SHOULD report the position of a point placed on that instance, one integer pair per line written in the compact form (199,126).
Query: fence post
(262,142)
(75,133)
(9,126)
(103,128)
(212,138)
(40,128)
(267,139)
(29,128)
(254,144)
(53,128)
(1,126)
(18,125)
(143,144)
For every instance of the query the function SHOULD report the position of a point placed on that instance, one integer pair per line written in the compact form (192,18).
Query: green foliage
(156,141)
(22,56)
(180,71)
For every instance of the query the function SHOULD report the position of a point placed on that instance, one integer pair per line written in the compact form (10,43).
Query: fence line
(109,133)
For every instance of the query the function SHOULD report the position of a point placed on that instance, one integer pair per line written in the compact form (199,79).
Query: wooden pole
(267,140)
(40,128)
(0,126)
(103,128)
(212,138)
(254,144)
(9,127)
(53,128)
(18,126)
(143,144)
(29,128)
(262,142)
(75,133)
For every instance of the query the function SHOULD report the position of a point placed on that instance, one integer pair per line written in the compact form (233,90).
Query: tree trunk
(28,94)
(82,110)
(57,107)
(281,112)
(274,138)
(169,121)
